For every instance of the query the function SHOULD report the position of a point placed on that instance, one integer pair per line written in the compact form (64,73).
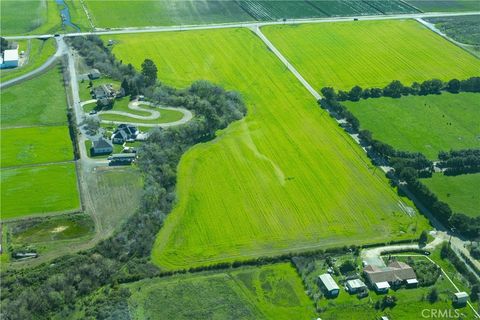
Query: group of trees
(459,161)
(396,89)
(57,287)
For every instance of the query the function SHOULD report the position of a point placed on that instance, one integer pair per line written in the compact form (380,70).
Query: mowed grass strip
(370,53)
(38,190)
(38,101)
(460,192)
(35,145)
(427,124)
(284,178)
(268,292)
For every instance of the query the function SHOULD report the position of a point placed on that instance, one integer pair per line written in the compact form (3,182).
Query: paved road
(50,61)
(254,24)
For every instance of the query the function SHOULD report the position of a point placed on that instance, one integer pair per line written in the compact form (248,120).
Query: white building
(329,284)
(9,59)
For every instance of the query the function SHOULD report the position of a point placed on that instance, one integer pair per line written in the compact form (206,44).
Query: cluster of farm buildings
(380,279)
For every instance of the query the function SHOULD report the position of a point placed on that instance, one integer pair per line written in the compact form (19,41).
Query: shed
(382,287)
(412,283)
(460,297)
(329,284)
(356,285)
(94,74)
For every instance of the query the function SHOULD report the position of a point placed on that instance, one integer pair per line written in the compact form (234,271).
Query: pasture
(268,292)
(166,12)
(35,145)
(426,124)
(38,101)
(38,190)
(370,53)
(284,178)
(344,8)
(445,5)
(460,192)
(29,16)
(38,52)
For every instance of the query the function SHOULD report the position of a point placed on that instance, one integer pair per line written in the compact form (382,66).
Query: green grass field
(37,190)
(460,192)
(426,124)
(284,178)
(29,16)
(464,29)
(275,10)
(344,8)
(445,5)
(39,101)
(269,292)
(35,145)
(165,12)
(370,53)
(38,52)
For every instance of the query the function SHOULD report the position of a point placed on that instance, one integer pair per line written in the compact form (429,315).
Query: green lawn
(39,101)
(29,16)
(460,192)
(38,52)
(370,53)
(426,124)
(37,190)
(284,178)
(35,145)
(269,292)
(164,12)
(445,5)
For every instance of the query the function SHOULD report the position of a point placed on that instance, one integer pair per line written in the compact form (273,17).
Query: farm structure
(355,285)
(9,59)
(395,274)
(327,282)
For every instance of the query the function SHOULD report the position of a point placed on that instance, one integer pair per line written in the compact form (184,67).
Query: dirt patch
(59,229)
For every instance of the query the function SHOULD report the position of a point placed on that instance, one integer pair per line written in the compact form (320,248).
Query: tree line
(88,280)
(457,162)
(396,89)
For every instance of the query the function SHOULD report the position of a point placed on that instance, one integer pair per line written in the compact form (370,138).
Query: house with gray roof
(101,146)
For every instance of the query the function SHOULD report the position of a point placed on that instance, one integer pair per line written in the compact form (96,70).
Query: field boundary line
(30,165)
(247,24)
(39,215)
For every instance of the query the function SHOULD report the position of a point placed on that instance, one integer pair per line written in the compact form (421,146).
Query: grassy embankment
(295,179)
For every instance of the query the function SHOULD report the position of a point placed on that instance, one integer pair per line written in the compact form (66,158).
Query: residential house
(101,146)
(329,285)
(124,133)
(395,274)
